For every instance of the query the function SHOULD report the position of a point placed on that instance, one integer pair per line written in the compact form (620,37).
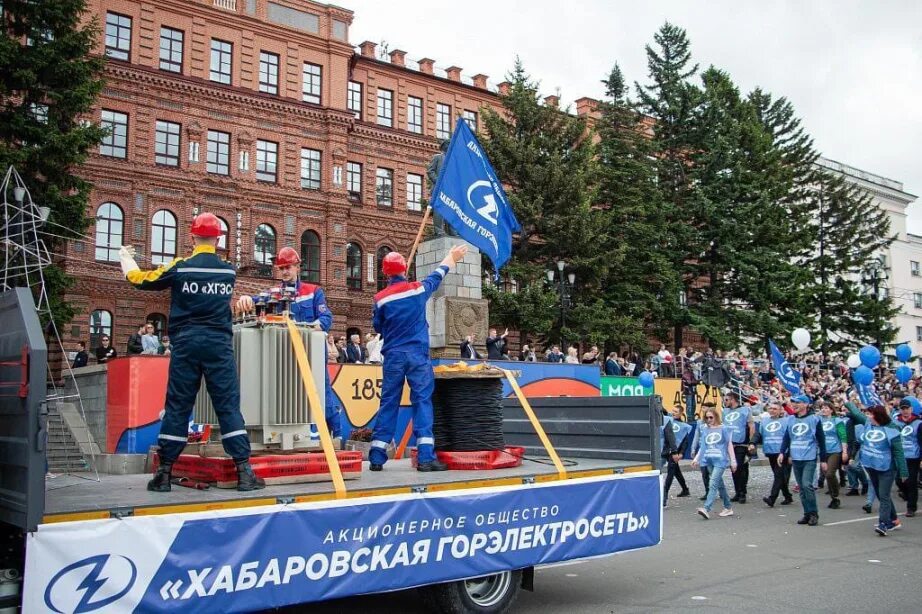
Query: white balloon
(853,361)
(801,338)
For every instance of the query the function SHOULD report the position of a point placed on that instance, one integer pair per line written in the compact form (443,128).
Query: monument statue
(432,175)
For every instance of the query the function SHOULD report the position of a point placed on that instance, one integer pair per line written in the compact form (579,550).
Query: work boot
(246,479)
(787,501)
(161,481)
(867,508)
(376,467)
(684,493)
(735,498)
(768,501)
(742,499)
(852,492)
(805,519)
(835,504)
(813,520)
(432,466)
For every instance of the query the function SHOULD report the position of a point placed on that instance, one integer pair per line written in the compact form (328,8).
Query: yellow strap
(561,472)
(317,412)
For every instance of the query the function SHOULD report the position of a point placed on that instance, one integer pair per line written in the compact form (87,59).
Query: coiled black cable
(468,414)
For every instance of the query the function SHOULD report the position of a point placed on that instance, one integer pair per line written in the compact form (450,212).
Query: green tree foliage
(49,82)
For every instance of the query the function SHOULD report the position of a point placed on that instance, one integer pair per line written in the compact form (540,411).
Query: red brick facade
(140,89)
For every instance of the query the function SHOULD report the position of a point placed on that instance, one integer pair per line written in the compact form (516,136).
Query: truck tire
(491,594)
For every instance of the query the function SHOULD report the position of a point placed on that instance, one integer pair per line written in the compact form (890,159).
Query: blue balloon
(903,353)
(863,376)
(903,374)
(870,356)
(916,405)
(646,379)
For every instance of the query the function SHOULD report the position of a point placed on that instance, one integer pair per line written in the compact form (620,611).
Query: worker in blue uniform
(309,306)
(202,344)
(400,317)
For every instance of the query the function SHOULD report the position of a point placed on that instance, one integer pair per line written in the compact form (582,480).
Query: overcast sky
(853,70)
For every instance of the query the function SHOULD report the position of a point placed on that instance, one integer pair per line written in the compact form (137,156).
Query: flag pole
(419,235)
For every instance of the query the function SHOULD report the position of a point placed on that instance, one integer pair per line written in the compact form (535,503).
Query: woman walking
(715,453)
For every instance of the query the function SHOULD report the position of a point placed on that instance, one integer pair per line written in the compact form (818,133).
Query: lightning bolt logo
(91,583)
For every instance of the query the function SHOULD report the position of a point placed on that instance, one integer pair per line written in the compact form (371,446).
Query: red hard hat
(287,256)
(206,225)
(393,264)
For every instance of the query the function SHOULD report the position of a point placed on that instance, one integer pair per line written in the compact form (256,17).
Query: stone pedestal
(457,308)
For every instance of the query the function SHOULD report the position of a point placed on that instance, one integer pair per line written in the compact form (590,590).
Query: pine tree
(49,82)
(642,287)
(545,157)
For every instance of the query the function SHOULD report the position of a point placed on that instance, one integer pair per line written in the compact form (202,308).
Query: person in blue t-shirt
(770,435)
(803,439)
(912,450)
(716,453)
(836,451)
(738,418)
(680,432)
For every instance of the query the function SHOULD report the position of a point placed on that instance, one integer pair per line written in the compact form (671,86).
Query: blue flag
(786,373)
(470,197)
(868,395)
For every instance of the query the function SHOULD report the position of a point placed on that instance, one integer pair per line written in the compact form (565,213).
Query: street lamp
(874,275)
(564,288)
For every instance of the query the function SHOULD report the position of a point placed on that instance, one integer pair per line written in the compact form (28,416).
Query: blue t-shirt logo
(907,431)
(874,436)
(712,438)
(800,429)
(733,416)
(773,426)
(828,426)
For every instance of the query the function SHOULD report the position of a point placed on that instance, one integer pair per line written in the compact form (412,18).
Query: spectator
(715,453)
(572,358)
(341,350)
(373,346)
(527,354)
(332,350)
(611,365)
(554,355)
(468,351)
(496,345)
(667,368)
(150,345)
(105,352)
(355,353)
(592,356)
(135,341)
(81,358)
(165,348)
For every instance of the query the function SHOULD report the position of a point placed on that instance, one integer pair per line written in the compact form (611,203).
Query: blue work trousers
(804,475)
(198,352)
(416,368)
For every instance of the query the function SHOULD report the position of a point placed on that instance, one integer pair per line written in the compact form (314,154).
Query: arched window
(264,244)
(353,266)
(162,237)
(383,251)
(110,222)
(310,256)
(222,248)
(159,322)
(100,326)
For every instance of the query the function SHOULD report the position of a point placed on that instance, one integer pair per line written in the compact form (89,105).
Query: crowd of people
(822,436)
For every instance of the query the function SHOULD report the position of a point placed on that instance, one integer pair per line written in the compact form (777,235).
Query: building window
(221,247)
(385,107)
(115,143)
(471,118)
(415,114)
(159,321)
(268,72)
(310,256)
(39,112)
(354,180)
(163,237)
(917,300)
(310,169)
(384,187)
(110,221)
(221,53)
(264,245)
(414,192)
(353,266)
(166,143)
(918,333)
(443,121)
(914,268)
(267,154)
(354,98)
(310,88)
(382,278)
(217,157)
(171,49)
(100,328)
(118,36)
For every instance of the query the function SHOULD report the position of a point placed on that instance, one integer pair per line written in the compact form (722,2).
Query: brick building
(262,112)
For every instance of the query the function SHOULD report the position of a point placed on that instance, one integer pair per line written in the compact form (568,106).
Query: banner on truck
(246,560)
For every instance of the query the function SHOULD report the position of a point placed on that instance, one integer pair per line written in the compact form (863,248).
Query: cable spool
(468,414)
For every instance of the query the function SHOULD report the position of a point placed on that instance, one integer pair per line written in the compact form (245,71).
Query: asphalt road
(756,561)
